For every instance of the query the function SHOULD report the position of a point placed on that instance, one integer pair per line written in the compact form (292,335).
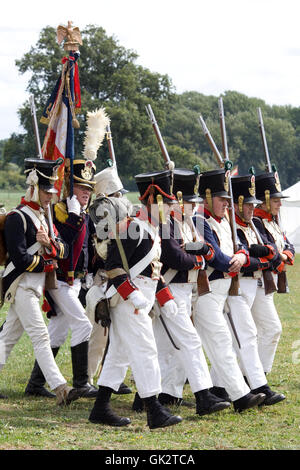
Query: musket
(202,279)
(51,277)
(269,283)
(282,286)
(264,141)
(168,162)
(211,142)
(203,284)
(110,145)
(162,217)
(234,289)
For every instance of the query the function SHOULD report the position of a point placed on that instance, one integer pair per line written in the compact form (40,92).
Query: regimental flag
(59,115)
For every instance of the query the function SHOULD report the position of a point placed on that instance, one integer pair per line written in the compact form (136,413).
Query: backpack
(3,250)
(119,209)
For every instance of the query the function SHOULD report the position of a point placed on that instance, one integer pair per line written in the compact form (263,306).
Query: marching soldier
(107,185)
(180,271)
(208,312)
(31,255)
(261,258)
(266,219)
(133,270)
(67,312)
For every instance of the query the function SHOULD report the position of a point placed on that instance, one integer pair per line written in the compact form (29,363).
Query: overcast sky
(250,46)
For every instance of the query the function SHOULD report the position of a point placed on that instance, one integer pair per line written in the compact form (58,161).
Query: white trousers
(132,343)
(70,315)
(268,327)
(25,315)
(247,350)
(214,332)
(187,362)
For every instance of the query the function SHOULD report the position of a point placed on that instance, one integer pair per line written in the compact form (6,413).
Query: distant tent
(290,215)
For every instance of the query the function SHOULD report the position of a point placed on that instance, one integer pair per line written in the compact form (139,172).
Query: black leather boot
(248,401)
(79,354)
(271,397)
(102,412)
(37,381)
(166,399)
(157,415)
(123,390)
(207,403)
(220,392)
(138,404)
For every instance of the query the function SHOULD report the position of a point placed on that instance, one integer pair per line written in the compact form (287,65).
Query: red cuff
(163,296)
(290,257)
(264,263)
(126,288)
(272,252)
(280,267)
(199,262)
(232,274)
(52,253)
(48,266)
(211,253)
(244,252)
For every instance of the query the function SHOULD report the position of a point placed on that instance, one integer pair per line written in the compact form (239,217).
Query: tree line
(110,77)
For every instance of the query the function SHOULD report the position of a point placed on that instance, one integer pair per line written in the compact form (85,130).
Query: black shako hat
(153,183)
(42,172)
(83,172)
(243,187)
(214,183)
(187,181)
(268,186)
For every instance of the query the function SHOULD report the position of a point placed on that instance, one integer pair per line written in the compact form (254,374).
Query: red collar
(34,205)
(239,221)
(207,214)
(263,214)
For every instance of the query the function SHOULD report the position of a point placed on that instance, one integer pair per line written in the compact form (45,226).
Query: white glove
(156,309)
(89,280)
(169,309)
(73,205)
(138,299)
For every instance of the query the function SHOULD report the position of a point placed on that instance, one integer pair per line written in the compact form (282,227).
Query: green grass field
(36,423)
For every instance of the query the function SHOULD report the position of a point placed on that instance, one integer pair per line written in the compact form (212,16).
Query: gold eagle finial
(71,35)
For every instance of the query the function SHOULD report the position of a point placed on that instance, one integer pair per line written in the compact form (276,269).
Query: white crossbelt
(33,248)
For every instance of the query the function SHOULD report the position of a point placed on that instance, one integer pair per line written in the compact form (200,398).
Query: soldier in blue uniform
(262,258)
(267,220)
(31,255)
(133,270)
(67,312)
(183,260)
(208,312)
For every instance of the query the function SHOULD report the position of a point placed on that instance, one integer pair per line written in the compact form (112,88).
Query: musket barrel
(158,134)
(110,145)
(264,140)
(35,126)
(223,131)
(211,142)
(39,151)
